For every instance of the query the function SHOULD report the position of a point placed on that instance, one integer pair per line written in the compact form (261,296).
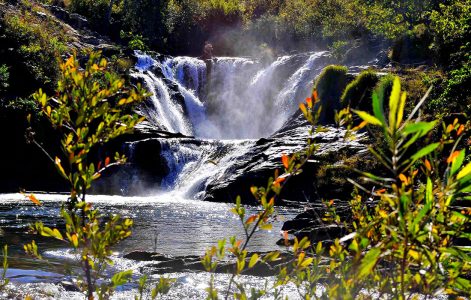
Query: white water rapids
(226,97)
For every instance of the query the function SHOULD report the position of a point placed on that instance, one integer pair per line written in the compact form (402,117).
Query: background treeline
(428,42)
(431,27)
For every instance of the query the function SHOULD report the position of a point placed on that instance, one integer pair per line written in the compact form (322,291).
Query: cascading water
(226,98)
(219,100)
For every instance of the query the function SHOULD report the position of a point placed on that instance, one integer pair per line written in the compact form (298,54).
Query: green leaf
(378,109)
(420,216)
(394,103)
(422,127)
(368,118)
(424,151)
(266,227)
(307,262)
(368,262)
(429,191)
(253,260)
(400,110)
(465,171)
(457,163)
(121,278)
(46,231)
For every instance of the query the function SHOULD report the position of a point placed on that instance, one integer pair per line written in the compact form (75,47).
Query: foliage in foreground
(408,237)
(88,110)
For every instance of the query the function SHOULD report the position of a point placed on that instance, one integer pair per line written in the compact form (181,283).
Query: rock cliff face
(263,157)
(220,171)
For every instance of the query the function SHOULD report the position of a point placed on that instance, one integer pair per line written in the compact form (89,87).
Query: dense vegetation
(404,239)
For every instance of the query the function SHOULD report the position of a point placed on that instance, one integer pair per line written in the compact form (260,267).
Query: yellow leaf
(368,118)
(465,171)
(403,178)
(303,108)
(74,240)
(253,260)
(400,110)
(266,227)
(394,102)
(383,213)
(307,262)
(60,168)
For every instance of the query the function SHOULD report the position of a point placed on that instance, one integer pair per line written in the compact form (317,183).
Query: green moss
(357,94)
(330,85)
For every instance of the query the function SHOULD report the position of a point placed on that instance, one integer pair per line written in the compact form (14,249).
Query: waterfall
(192,164)
(300,83)
(225,103)
(226,97)
(161,110)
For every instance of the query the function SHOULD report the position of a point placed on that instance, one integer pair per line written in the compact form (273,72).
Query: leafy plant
(4,76)
(267,197)
(88,110)
(3,279)
(410,236)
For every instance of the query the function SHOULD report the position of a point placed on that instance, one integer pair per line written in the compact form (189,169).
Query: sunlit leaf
(59,167)
(465,171)
(74,240)
(425,151)
(369,262)
(251,219)
(422,127)
(368,118)
(253,260)
(378,109)
(33,199)
(303,108)
(285,160)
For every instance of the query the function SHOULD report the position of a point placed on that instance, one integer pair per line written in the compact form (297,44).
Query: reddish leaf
(107,161)
(453,156)
(251,219)
(428,165)
(315,96)
(285,161)
(280,180)
(34,199)
(309,102)
(285,238)
(460,130)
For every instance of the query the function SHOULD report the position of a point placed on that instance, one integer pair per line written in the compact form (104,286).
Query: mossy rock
(358,93)
(330,85)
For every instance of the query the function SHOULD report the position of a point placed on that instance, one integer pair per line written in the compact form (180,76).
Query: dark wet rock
(320,233)
(167,264)
(69,286)
(259,162)
(313,217)
(146,256)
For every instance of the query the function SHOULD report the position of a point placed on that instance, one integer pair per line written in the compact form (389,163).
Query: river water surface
(163,223)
